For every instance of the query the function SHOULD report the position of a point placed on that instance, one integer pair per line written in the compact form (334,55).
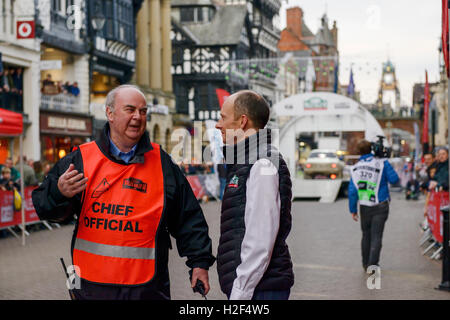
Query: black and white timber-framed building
(212,44)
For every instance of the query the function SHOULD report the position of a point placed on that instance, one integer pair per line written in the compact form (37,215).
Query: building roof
(224,29)
(324,35)
(306,32)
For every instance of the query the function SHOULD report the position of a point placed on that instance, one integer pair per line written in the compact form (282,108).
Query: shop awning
(11,123)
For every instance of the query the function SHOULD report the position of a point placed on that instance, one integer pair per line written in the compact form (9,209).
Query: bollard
(445,284)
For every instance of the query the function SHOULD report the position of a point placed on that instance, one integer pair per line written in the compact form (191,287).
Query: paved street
(324,243)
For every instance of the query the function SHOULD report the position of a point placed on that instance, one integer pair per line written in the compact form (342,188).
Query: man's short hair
(364,147)
(6,170)
(111,97)
(254,106)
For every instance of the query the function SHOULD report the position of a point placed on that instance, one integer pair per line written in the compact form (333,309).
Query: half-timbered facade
(213,43)
(205,37)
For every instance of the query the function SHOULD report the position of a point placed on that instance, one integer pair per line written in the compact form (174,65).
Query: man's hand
(355,216)
(202,275)
(71,182)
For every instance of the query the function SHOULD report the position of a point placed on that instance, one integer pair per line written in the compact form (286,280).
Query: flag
(336,81)
(222,95)
(445,35)
(426,107)
(351,85)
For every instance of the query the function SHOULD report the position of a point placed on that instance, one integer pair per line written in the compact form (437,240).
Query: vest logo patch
(135,184)
(234,182)
(100,189)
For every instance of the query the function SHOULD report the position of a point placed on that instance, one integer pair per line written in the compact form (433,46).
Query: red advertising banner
(9,217)
(434,214)
(30,213)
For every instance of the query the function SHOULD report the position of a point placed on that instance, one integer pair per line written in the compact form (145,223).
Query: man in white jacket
(253,259)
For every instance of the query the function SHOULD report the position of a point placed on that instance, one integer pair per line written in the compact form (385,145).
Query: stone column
(166,47)
(155,45)
(81,75)
(31,101)
(8,18)
(143,47)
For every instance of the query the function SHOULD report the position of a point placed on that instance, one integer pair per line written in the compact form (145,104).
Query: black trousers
(372,226)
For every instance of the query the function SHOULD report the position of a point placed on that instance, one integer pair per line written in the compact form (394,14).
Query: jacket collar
(143,146)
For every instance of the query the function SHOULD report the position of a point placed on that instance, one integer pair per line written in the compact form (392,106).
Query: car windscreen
(322,155)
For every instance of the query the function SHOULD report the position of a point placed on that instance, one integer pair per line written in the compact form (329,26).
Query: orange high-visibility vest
(119,219)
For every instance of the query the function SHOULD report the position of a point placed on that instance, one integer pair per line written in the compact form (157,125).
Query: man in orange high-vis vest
(129,197)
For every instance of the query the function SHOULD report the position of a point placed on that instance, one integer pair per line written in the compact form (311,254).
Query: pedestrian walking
(369,186)
(253,260)
(129,197)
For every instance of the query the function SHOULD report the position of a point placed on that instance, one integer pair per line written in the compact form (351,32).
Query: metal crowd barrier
(10,218)
(436,234)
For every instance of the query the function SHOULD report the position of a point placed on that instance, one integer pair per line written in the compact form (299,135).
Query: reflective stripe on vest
(119,219)
(114,251)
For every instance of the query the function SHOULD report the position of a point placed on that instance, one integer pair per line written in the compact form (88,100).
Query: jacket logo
(100,189)
(135,184)
(234,182)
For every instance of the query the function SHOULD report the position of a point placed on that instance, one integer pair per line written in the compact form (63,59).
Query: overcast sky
(408,31)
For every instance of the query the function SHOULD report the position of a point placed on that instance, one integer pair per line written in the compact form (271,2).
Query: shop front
(61,132)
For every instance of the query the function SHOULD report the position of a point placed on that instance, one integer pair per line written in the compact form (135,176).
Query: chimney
(294,18)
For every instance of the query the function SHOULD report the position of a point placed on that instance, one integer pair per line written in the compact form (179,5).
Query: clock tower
(389,93)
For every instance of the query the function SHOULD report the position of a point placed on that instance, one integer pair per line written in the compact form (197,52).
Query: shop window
(62,147)
(196,14)
(124,22)
(48,149)
(4,150)
(102,84)
(56,148)
(187,14)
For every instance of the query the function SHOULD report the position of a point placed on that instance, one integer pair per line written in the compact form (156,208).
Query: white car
(323,164)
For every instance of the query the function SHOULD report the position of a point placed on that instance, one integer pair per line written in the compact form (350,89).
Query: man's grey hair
(111,97)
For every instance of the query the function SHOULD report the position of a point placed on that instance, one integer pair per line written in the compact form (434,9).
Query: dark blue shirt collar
(126,157)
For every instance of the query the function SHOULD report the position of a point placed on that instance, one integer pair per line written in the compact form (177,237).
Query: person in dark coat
(124,147)
(253,259)
(440,179)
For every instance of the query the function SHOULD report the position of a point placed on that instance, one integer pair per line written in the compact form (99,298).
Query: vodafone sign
(25,29)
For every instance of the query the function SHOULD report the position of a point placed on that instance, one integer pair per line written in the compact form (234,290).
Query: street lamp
(98,19)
